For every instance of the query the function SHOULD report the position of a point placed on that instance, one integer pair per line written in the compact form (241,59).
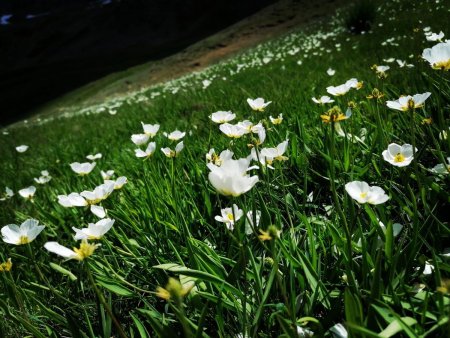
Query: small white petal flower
(230,216)
(258,104)
(27,193)
(150,129)
(120,182)
(252,221)
(94,157)
(42,179)
(404,103)
(82,168)
(106,175)
(434,37)
(276,120)
(339,331)
(148,152)
(212,157)
(354,83)
(140,139)
(98,211)
(363,193)
(84,251)
(428,269)
(438,56)
(338,90)
(100,192)
(21,149)
(26,233)
(175,135)
(72,200)
(442,169)
(331,71)
(222,116)
(275,154)
(173,153)
(399,156)
(246,126)
(323,100)
(7,195)
(94,231)
(232,130)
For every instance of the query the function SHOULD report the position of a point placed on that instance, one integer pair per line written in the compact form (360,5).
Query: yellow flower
(376,94)
(173,290)
(271,233)
(427,121)
(445,286)
(333,115)
(6,266)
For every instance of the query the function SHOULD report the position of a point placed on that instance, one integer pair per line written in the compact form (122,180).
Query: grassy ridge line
(166,215)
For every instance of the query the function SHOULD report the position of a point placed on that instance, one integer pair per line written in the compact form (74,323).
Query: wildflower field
(297,189)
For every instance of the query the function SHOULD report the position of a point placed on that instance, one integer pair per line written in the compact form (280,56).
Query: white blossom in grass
(258,104)
(354,83)
(265,161)
(442,169)
(120,182)
(206,83)
(402,64)
(303,332)
(399,156)
(21,149)
(150,129)
(338,90)
(381,70)
(443,134)
(44,178)
(331,71)
(23,234)
(72,200)
(339,331)
(27,193)
(148,152)
(363,193)
(212,157)
(276,120)
(7,195)
(106,175)
(390,60)
(140,139)
(231,178)
(98,211)
(246,126)
(275,154)
(82,168)
(433,36)
(173,153)
(229,216)
(428,269)
(252,221)
(322,100)
(94,157)
(438,56)
(99,194)
(84,251)
(94,230)
(222,116)
(232,130)
(405,103)
(175,135)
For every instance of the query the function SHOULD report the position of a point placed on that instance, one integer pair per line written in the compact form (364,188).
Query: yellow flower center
(363,195)
(6,266)
(86,249)
(24,240)
(399,158)
(230,217)
(444,65)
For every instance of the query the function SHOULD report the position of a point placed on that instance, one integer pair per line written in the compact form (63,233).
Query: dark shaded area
(65,44)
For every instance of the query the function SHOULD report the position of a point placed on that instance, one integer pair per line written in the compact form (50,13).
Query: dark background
(50,47)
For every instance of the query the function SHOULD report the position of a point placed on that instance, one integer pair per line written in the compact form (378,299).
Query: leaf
(115,288)
(63,271)
(397,326)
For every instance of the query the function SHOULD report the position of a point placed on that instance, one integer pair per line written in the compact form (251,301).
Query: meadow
(281,216)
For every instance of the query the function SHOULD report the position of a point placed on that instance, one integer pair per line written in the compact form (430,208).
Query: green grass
(332,263)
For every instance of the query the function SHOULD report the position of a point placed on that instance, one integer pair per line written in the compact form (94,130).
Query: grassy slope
(166,214)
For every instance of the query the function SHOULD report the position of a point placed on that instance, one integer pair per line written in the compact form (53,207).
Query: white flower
(94,157)
(258,104)
(339,331)
(271,154)
(363,193)
(26,233)
(354,83)
(99,193)
(438,56)
(21,149)
(404,103)
(42,179)
(212,157)
(27,193)
(428,269)
(150,129)
(265,161)
(443,169)
(206,83)
(7,195)
(173,153)
(106,175)
(252,221)
(303,332)
(246,126)
(338,90)
(381,70)
(140,139)
(322,100)
(397,155)
(402,64)
(84,251)
(120,182)
(231,178)
(389,60)
(148,152)
(222,116)
(175,135)
(443,134)
(229,216)
(232,130)
(433,36)
(72,200)
(276,120)
(331,71)
(82,168)
(98,211)
(94,231)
